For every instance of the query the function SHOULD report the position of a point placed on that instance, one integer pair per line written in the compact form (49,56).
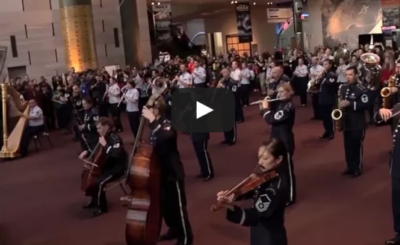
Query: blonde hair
(287,87)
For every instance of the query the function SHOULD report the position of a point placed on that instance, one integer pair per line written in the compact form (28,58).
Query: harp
(12,141)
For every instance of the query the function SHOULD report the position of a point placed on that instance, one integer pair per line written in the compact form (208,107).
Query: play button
(199,110)
(202,110)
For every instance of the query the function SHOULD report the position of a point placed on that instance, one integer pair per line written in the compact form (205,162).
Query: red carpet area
(40,197)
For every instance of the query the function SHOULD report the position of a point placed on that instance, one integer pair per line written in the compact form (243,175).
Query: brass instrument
(312,84)
(122,97)
(370,58)
(337,114)
(386,92)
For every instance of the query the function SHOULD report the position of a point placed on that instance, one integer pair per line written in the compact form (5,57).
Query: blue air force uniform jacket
(266,216)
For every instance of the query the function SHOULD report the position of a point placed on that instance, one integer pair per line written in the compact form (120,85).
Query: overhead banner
(162,21)
(243,19)
(390,13)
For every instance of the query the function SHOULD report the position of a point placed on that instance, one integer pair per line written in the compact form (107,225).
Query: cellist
(173,198)
(266,217)
(113,169)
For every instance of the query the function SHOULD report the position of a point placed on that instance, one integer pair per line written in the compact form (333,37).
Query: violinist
(88,128)
(282,118)
(173,198)
(266,217)
(113,169)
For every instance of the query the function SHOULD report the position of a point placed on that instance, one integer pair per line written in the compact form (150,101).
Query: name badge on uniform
(352,96)
(234,88)
(262,203)
(364,98)
(278,115)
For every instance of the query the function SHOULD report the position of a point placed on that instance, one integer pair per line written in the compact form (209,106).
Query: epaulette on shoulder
(361,86)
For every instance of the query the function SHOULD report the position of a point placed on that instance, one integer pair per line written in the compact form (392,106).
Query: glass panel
(246,45)
(235,39)
(229,40)
(240,46)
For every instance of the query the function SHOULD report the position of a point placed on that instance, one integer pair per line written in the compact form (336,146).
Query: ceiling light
(158,3)
(235,1)
(254,3)
(232,2)
(152,3)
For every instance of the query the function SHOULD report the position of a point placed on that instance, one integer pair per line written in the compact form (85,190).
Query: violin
(247,185)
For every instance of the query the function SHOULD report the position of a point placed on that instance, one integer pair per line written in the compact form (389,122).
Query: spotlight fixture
(254,3)
(152,3)
(235,1)
(232,2)
(270,3)
(158,3)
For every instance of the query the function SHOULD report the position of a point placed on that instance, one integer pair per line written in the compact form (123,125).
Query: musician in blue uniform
(90,135)
(282,118)
(229,83)
(173,198)
(327,98)
(354,101)
(384,115)
(266,218)
(113,169)
(277,78)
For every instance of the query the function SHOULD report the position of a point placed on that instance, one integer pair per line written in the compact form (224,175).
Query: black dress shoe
(99,212)
(392,242)
(91,204)
(199,176)
(330,137)
(347,172)
(183,243)
(207,178)
(168,236)
(355,174)
(324,136)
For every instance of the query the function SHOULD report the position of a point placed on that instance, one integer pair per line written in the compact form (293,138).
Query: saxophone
(386,92)
(337,114)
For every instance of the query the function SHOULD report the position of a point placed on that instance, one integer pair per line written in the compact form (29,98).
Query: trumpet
(311,86)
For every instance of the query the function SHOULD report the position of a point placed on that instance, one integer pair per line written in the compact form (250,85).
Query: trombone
(337,114)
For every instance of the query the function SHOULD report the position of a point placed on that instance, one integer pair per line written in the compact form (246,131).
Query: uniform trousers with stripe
(353,148)
(327,121)
(173,205)
(231,135)
(292,179)
(396,206)
(201,149)
(96,191)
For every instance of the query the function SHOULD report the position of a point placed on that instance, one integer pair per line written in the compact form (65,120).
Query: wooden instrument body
(143,219)
(12,141)
(93,167)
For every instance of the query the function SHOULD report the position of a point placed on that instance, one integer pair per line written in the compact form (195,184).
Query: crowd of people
(90,104)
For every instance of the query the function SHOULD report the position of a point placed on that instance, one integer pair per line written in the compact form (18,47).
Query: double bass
(143,218)
(93,166)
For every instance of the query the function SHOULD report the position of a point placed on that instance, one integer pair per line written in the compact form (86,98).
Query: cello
(143,218)
(93,166)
